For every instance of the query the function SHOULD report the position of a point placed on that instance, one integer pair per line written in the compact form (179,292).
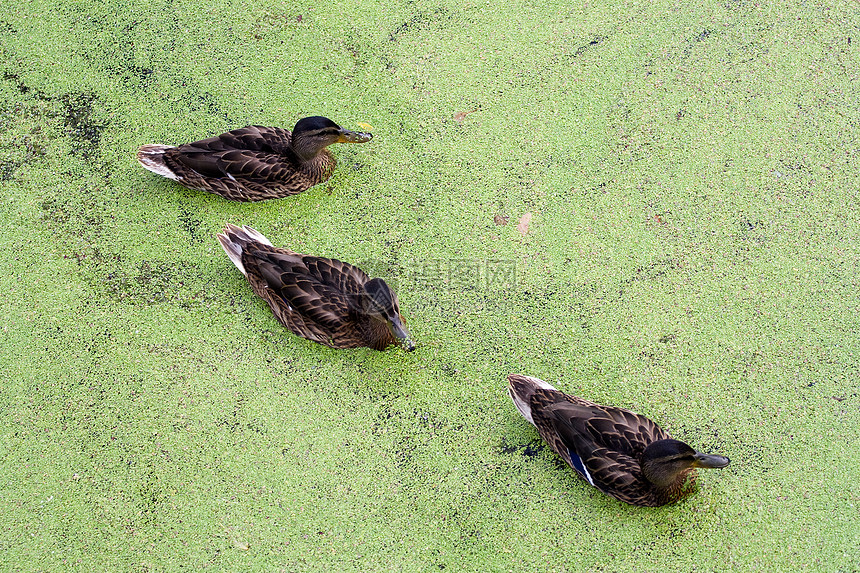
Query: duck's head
(312,134)
(380,303)
(666,461)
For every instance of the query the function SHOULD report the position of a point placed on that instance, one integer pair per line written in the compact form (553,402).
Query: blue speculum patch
(579,466)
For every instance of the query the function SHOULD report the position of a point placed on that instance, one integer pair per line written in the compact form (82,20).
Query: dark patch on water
(597,191)
(585,47)
(747,225)
(80,123)
(8,30)
(78,214)
(151,498)
(7,169)
(751,235)
(207,102)
(22,87)
(132,76)
(21,148)
(418,22)
(77,110)
(387,63)
(404,449)
(529,449)
(235,421)
(191,224)
(412,429)
(655,270)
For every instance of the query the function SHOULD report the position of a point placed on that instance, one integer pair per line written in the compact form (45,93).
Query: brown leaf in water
(500,220)
(461,115)
(523,225)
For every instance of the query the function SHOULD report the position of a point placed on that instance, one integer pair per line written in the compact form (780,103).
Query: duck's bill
(710,461)
(402,335)
(347,136)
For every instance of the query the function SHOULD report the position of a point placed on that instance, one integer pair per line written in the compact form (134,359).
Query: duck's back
(254,138)
(602,443)
(249,164)
(315,297)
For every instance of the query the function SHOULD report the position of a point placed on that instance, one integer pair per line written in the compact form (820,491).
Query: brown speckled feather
(603,444)
(249,164)
(315,297)
(253,163)
(608,440)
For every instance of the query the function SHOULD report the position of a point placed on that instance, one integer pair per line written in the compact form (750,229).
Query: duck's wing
(256,138)
(254,153)
(602,443)
(297,296)
(345,278)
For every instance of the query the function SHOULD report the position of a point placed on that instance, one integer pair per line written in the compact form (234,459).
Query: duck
(623,454)
(324,300)
(253,163)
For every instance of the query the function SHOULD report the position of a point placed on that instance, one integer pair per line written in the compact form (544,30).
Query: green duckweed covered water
(691,177)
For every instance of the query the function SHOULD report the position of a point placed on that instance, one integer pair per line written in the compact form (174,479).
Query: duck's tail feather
(234,239)
(151,156)
(521,388)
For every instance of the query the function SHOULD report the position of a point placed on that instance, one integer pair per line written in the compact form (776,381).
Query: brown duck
(623,454)
(253,163)
(324,300)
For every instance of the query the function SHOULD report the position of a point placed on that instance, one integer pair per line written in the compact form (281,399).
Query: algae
(692,175)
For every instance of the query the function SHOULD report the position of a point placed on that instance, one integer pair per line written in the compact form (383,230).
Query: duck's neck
(306,149)
(672,487)
(318,167)
(376,334)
